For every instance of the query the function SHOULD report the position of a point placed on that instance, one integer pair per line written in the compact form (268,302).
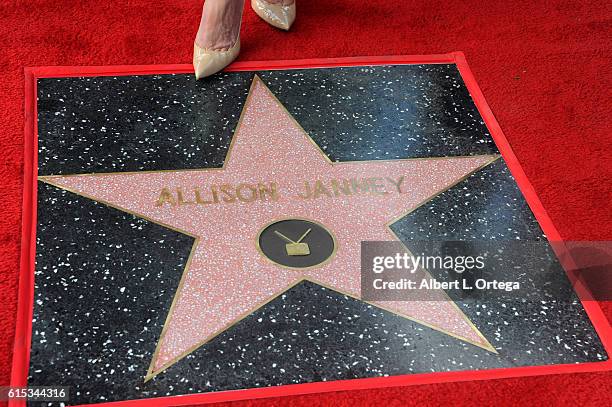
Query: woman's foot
(220,24)
(217,42)
(278,13)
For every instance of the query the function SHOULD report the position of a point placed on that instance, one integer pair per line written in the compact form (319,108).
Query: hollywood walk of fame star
(228,276)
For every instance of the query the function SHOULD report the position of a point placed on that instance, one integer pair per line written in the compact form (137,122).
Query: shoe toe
(207,62)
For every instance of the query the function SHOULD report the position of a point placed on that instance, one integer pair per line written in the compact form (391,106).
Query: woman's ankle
(220,24)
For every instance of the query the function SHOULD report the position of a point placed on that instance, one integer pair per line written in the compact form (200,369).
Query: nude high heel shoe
(207,62)
(276,15)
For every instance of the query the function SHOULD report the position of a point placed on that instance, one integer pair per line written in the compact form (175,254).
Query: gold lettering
(198,198)
(345,188)
(397,184)
(165,196)
(181,199)
(227,193)
(376,187)
(215,194)
(308,193)
(252,193)
(270,190)
(320,189)
(363,187)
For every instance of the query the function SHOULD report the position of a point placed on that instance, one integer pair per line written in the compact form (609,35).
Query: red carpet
(544,69)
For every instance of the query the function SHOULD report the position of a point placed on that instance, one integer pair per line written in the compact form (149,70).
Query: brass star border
(151,373)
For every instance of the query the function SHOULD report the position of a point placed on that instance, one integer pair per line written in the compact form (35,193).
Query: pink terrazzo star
(227,277)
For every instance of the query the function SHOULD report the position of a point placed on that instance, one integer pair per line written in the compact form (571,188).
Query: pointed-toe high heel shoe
(276,15)
(207,62)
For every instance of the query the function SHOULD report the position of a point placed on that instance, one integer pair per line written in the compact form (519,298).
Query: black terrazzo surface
(488,205)
(106,124)
(378,112)
(131,123)
(544,321)
(105,275)
(104,282)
